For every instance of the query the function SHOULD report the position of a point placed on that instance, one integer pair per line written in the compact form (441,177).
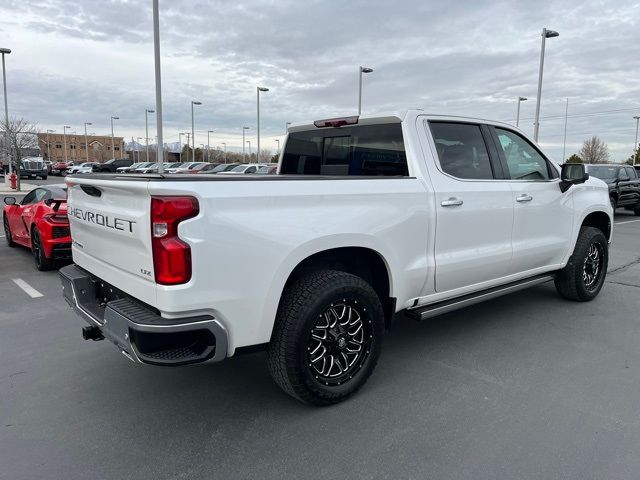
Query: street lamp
(146,126)
(545,34)
(188,135)
(258,90)
(138,148)
(249,142)
(193,131)
(520,100)
(208,145)
(278,142)
(6,51)
(244,156)
(113,145)
(361,70)
(180,142)
(225,152)
(64,138)
(49,144)
(86,143)
(635,145)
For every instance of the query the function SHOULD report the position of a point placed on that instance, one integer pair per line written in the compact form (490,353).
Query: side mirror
(572,174)
(10,200)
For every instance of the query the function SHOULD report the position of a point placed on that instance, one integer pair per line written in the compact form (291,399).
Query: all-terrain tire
(331,297)
(577,280)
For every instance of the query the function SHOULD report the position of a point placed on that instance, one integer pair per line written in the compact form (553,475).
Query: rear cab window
(360,150)
(462,151)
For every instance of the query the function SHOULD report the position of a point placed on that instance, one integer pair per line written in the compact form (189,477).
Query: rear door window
(364,150)
(462,151)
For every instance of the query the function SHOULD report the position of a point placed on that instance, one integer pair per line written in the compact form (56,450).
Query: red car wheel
(7,231)
(42,262)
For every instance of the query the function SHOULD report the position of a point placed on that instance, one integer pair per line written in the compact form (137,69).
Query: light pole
(64,138)
(158,79)
(361,71)
(520,100)
(244,156)
(193,128)
(545,34)
(249,142)
(258,90)
(278,142)
(635,145)
(564,141)
(49,144)
(188,145)
(225,152)
(209,146)
(113,145)
(6,51)
(146,126)
(180,142)
(138,147)
(86,143)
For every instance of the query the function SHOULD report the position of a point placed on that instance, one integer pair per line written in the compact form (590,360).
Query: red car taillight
(171,256)
(56,218)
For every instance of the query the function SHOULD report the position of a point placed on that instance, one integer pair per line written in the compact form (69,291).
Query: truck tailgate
(110,229)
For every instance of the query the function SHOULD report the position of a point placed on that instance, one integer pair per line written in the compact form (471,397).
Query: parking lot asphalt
(524,386)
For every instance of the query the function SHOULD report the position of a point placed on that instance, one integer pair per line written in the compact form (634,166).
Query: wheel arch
(599,220)
(364,262)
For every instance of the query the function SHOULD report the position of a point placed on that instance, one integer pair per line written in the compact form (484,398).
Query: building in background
(99,147)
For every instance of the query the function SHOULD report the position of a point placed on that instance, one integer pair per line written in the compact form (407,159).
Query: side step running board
(435,309)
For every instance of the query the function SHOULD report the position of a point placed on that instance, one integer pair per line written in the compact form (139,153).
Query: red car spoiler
(54,203)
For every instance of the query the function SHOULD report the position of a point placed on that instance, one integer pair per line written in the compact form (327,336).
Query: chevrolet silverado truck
(367,217)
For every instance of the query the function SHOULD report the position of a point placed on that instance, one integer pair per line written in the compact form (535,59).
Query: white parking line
(629,221)
(28,289)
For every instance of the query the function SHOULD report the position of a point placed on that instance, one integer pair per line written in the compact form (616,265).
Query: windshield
(194,165)
(604,173)
(109,162)
(240,168)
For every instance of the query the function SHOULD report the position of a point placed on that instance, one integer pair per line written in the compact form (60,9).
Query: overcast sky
(83,61)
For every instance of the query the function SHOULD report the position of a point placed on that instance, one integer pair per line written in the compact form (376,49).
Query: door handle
(525,197)
(452,202)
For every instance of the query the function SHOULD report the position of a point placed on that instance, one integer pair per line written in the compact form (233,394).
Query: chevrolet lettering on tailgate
(103,220)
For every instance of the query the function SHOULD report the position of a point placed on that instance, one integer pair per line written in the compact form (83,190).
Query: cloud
(86,60)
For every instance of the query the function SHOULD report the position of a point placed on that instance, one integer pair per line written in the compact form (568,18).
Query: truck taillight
(171,256)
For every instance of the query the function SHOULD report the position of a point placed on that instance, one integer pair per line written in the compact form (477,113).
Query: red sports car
(40,223)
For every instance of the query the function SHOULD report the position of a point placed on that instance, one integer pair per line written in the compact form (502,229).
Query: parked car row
(201,167)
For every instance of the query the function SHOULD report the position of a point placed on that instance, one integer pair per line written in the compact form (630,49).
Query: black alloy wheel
(339,342)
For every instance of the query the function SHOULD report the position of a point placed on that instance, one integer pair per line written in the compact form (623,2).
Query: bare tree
(21,136)
(265,155)
(594,150)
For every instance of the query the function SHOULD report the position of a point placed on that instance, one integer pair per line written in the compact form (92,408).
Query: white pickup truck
(367,217)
